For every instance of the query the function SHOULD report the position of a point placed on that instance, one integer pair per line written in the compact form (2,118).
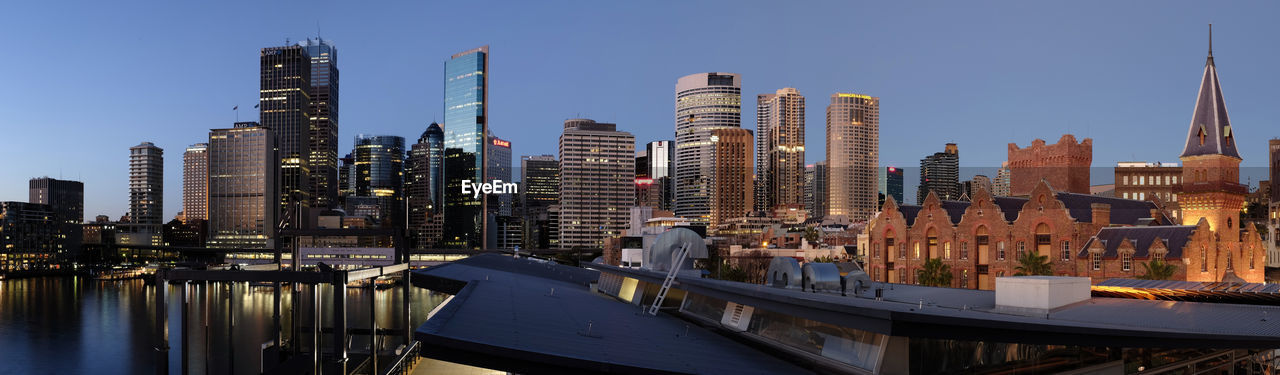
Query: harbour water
(76,325)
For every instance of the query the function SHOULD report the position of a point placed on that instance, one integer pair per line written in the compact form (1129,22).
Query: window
(902,251)
(1126,262)
(1229,265)
(964,278)
(1126,195)
(1096,259)
(1142,180)
(877,251)
(1204,260)
(964,250)
(902,276)
(1022,249)
(1175,179)
(1253,255)
(889,242)
(877,270)
(1044,244)
(917,250)
(1066,250)
(946,250)
(1000,251)
(1000,274)
(1126,180)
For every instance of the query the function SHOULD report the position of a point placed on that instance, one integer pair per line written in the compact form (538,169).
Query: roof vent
(1039,295)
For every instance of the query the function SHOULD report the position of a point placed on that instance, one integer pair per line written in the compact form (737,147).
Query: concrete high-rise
(466,108)
(243,187)
(779,149)
(146,184)
(195,182)
(322,137)
(731,185)
(597,176)
(940,173)
(285,108)
(146,197)
(1004,179)
(853,155)
(424,187)
(1273,211)
(704,102)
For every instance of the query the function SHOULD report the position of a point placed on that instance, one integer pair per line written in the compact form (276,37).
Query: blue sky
(81,82)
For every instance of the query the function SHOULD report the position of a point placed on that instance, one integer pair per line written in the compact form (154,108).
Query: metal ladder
(671,277)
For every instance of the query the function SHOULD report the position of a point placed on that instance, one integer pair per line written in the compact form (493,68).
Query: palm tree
(1157,269)
(1032,264)
(934,273)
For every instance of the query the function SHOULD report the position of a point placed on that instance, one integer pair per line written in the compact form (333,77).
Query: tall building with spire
(322,135)
(1211,187)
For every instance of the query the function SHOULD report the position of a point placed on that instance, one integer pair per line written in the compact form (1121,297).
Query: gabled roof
(1079,206)
(1210,119)
(1175,235)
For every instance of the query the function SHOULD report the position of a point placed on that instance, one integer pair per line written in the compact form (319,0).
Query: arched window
(983,243)
(932,238)
(1043,240)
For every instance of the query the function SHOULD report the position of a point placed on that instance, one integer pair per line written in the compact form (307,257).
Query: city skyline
(1145,65)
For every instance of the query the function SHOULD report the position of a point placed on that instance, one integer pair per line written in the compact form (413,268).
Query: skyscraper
(499,160)
(285,108)
(424,186)
(704,102)
(66,199)
(539,191)
(853,155)
(1003,182)
(1273,218)
(243,187)
(322,136)
(146,197)
(815,189)
(379,169)
(893,184)
(780,149)
(195,182)
(466,99)
(597,173)
(146,184)
(940,173)
(731,185)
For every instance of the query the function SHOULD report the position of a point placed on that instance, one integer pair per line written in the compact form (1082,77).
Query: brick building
(1065,165)
(982,239)
(1158,182)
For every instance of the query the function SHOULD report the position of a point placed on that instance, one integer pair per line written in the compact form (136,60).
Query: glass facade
(379,169)
(465,127)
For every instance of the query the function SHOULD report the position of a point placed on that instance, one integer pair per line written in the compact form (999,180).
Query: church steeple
(1210,132)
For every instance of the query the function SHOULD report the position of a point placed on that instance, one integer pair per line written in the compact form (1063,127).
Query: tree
(1157,269)
(934,273)
(1032,264)
(812,235)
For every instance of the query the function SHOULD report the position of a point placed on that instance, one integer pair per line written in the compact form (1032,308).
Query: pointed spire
(1210,131)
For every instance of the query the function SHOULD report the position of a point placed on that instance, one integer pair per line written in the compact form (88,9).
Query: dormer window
(1201,134)
(1226,134)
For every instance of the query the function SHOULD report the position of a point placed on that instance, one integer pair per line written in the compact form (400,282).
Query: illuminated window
(1126,261)
(946,250)
(1204,260)
(917,250)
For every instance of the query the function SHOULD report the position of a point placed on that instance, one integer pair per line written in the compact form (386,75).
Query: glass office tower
(466,90)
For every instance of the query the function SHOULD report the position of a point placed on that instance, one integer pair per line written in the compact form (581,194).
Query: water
(80,326)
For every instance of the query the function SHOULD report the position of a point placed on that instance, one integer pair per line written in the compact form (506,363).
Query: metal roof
(966,314)
(1079,206)
(1225,292)
(533,317)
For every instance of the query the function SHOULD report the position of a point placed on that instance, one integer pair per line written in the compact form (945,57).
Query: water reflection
(78,325)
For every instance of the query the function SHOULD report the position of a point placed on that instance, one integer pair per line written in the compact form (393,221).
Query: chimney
(1155,217)
(1101,214)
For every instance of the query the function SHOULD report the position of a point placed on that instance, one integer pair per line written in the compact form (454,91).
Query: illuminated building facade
(195,182)
(285,108)
(466,109)
(424,187)
(597,177)
(779,149)
(243,190)
(379,169)
(853,155)
(704,102)
(731,185)
(322,137)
